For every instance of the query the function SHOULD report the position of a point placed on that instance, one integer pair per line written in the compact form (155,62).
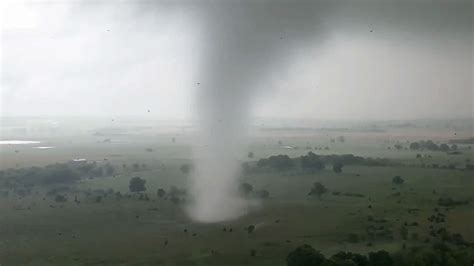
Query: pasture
(129,230)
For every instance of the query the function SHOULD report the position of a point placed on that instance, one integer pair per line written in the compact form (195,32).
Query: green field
(36,230)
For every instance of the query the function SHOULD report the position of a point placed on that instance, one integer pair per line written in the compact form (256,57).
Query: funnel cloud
(245,41)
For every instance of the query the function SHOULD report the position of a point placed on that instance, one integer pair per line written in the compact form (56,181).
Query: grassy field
(35,230)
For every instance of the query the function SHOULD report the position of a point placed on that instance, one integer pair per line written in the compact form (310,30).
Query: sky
(316,60)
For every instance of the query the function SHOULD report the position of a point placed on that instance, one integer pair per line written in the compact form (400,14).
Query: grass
(132,232)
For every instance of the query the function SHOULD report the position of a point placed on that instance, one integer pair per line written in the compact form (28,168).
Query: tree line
(312,162)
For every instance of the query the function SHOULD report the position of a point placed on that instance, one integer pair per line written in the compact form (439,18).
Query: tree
(380,258)
(60,199)
(161,193)
(245,189)
(250,228)
(57,174)
(414,146)
(349,258)
(137,184)
(444,147)
(263,194)
(429,145)
(176,195)
(185,168)
(305,255)
(353,238)
(318,189)
(397,180)
(109,169)
(311,162)
(253,252)
(279,162)
(454,147)
(403,232)
(250,155)
(337,167)
(136,166)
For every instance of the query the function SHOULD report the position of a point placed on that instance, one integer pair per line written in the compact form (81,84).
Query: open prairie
(96,219)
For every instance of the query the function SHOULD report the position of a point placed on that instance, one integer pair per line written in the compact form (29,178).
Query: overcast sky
(363,60)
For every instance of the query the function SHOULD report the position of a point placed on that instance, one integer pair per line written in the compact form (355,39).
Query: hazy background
(373,60)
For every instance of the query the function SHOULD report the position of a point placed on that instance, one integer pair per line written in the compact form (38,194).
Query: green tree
(337,167)
(263,194)
(380,258)
(311,162)
(404,232)
(185,168)
(137,184)
(397,180)
(161,193)
(414,146)
(305,255)
(60,199)
(444,147)
(136,166)
(318,189)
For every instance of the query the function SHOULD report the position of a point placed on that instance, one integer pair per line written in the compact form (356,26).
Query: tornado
(246,42)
